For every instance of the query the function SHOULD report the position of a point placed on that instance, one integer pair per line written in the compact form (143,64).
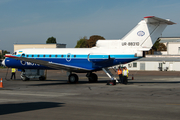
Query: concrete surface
(150,96)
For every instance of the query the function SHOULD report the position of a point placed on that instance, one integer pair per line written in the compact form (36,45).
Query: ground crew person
(119,72)
(13,73)
(125,75)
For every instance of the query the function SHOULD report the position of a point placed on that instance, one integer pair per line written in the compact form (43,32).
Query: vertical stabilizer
(147,31)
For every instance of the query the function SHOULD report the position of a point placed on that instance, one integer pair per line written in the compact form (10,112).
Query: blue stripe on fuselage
(76,61)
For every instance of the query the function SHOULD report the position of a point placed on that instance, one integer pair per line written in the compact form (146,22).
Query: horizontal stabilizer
(154,20)
(147,31)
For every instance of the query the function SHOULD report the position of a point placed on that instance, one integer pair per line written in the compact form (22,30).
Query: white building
(172,44)
(51,45)
(156,63)
(162,61)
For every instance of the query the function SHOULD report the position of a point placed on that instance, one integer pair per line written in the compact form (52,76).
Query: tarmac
(152,95)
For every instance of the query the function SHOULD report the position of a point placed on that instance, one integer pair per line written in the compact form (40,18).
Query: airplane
(105,54)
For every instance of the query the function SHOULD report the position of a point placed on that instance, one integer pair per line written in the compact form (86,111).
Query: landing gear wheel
(25,78)
(73,78)
(42,78)
(93,78)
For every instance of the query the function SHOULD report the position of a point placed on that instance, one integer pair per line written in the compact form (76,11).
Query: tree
(3,54)
(92,40)
(51,40)
(157,47)
(85,43)
(82,43)
(162,47)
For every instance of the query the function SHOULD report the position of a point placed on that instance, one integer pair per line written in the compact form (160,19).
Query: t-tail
(147,32)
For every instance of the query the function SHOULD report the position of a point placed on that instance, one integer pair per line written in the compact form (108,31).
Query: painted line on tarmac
(8,100)
(42,94)
(167,79)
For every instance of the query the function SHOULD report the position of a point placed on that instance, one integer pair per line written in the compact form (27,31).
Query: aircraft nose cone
(3,63)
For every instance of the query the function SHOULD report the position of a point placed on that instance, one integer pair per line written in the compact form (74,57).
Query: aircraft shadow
(32,80)
(131,82)
(22,107)
(64,82)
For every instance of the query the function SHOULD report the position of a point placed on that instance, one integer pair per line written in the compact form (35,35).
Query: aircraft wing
(49,64)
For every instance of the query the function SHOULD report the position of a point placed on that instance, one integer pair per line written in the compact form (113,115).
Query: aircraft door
(68,57)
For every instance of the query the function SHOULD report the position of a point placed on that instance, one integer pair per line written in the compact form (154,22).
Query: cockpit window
(14,53)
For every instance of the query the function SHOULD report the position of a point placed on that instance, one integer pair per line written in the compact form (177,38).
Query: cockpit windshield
(14,53)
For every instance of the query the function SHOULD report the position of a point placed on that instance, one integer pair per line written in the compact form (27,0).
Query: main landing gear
(92,77)
(73,78)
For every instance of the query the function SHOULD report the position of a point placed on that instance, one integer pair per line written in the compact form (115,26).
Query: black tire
(93,78)
(73,78)
(25,78)
(42,78)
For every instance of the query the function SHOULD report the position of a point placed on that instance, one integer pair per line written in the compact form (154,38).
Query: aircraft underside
(81,65)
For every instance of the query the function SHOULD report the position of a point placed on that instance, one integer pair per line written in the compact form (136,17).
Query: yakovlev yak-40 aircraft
(105,54)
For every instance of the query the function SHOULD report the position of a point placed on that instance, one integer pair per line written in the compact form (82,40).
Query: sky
(34,21)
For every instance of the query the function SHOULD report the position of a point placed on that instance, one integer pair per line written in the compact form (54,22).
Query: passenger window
(27,55)
(49,55)
(37,55)
(74,56)
(23,55)
(32,55)
(44,55)
(55,55)
(61,55)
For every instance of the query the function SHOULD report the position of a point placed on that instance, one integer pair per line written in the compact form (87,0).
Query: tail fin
(147,31)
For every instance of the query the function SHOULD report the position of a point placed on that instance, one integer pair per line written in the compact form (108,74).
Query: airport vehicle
(0,62)
(105,54)
(27,74)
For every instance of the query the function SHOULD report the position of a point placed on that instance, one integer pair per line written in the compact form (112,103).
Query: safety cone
(1,84)
(132,77)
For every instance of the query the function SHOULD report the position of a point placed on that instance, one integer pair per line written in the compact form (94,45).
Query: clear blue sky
(33,21)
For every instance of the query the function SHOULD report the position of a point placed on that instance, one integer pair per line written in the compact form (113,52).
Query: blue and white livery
(105,54)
